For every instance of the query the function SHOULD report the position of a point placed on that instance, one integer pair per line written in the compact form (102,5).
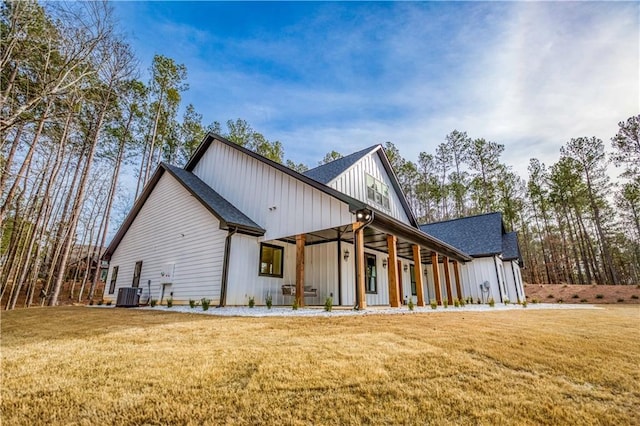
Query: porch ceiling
(375,237)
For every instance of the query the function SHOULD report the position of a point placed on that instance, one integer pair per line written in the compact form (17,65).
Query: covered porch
(375,260)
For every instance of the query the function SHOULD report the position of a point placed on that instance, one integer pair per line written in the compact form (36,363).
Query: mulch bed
(566,293)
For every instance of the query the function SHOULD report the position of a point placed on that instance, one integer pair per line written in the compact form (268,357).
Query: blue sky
(343,76)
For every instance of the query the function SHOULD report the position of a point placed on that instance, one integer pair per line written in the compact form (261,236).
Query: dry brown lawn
(78,365)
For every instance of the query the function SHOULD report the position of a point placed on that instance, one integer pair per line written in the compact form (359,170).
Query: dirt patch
(565,293)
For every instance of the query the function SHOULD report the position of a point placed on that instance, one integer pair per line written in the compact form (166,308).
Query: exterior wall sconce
(405,267)
(346,254)
(384,263)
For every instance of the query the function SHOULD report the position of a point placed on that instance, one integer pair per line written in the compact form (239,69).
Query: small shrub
(524,304)
(599,296)
(328,304)
(560,301)
(109,302)
(550,296)
(535,300)
(445,303)
(100,302)
(564,286)
(461,302)
(169,302)
(620,300)
(479,302)
(91,302)
(506,302)
(269,301)
(295,305)
(433,304)
(205,303)
(583,300)
(192,303)
(410,305)
(634,296)
(575,296)
(252,302)
(492,302)
(456,303)
(153,303)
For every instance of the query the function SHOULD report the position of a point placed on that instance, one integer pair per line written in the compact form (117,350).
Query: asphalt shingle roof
(510,248)
(475,235)
(214,202)
(328,172)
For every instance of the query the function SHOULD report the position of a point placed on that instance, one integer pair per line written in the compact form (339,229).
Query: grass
(78,365)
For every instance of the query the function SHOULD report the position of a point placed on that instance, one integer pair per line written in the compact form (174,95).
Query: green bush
(535,300)
(445,303)
(492,302)
(328,304)
(295,305)
(433,304)
(153,303)
(205,303)
(169,302)
(109,302)
(506,302)
(252,302)
(461,302)
(524,304)
(410,305)
(456,303)
(269,301)
(192,303)
(583,300)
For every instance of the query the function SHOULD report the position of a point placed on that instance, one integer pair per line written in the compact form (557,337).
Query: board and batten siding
(513,281)
(478,271)
(279,203)
(320,272)
(381,297)
(171,227)
(353,183)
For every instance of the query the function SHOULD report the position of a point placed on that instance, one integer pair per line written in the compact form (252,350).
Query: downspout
(225,268)
(355,251)
(495,264)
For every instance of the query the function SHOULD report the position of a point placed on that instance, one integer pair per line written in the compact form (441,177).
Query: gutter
(225,267)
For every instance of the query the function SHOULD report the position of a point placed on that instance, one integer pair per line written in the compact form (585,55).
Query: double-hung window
(114,278)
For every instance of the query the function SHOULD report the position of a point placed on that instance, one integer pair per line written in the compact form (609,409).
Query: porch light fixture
(406,267)
(346,254)
(384,263)
(363,215)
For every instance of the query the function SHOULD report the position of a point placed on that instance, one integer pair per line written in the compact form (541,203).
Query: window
(412,274)
(377,191)
(370,272)
(136,274)
(271,260)
(114,277)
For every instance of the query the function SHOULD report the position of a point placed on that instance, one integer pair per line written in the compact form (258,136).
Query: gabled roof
(227,214)
(410,232)
(510,247)
(325,173)
(476,235)
(330,171)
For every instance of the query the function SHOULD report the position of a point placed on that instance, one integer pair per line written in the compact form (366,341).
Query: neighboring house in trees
(496,255)
(233,225)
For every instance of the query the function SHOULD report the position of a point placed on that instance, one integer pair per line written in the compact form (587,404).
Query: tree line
(75,114)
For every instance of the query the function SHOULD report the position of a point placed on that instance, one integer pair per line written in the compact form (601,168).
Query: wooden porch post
(361,300)
(447,280)
(436,277)
(456,273)
(300,240)
(392,267)
(417,269)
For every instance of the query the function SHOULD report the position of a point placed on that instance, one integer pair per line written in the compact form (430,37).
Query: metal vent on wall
(128,297)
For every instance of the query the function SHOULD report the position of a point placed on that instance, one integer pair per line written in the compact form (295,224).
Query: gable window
(412,274)
(377,191)
(136,274)
(370,273)
(271,260)
(114,277)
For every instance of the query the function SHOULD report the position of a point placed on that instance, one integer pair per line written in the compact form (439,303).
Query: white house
(233,225)
(495,269)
